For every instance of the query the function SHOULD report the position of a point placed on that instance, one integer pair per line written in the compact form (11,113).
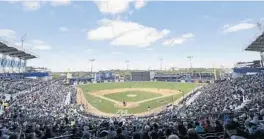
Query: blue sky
(66,34)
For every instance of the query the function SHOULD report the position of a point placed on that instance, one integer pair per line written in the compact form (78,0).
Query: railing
(62,136)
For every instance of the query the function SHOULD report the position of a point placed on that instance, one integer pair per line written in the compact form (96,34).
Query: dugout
(142,76)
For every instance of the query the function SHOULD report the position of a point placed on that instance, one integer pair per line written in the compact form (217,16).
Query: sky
(65,34)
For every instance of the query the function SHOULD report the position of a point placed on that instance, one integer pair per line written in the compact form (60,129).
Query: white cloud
(19,44)
(118,6)
(88,50)
(141,38)
(247,20)
(126,33)
(38,44)
(60,2)
(226,25)
(7,33)
(41,47)
(189,35)
(148,49)
(112,6)
(63,29)
(33,5)
(37,41)
(238,27)
(140,3)
(116,53)
(179,40)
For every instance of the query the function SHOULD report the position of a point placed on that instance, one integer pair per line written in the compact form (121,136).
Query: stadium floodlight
(92,60)
(127,62)
(161,60)
(190,58)
(22,40)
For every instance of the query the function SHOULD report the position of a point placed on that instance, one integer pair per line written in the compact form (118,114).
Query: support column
(25,65)
(261,59)
(12,64)
(1,66)
(19,65)
(4,63)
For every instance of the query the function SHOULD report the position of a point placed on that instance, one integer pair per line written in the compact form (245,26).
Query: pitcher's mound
(128,105)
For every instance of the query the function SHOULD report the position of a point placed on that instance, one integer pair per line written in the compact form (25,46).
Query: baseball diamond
(137,98)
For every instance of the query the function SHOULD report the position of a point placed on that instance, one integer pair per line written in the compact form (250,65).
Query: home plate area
(127,105)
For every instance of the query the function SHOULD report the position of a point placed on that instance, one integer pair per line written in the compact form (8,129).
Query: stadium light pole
(92,60)
(127,62)
(22,40)
(161,60)
(190,58)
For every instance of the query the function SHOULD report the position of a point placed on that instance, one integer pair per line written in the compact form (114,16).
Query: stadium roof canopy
(10,50)
(257,45)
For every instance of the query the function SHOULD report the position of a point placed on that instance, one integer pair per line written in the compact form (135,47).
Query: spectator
(119,134)
(146,132)
(192,134)
(173,137)
(233,132)
(199,128)
(218,127)
(111,133)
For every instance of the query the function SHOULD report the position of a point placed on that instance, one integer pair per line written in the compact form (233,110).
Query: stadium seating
(12,86)
(228,109)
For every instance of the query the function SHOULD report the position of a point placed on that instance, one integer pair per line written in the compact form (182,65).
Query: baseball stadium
(131,69)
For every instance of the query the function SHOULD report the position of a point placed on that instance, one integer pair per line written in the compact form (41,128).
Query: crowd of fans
(181,77)
(12,86)
(229,95)
(230,109)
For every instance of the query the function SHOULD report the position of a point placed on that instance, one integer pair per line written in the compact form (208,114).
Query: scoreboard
(141,76)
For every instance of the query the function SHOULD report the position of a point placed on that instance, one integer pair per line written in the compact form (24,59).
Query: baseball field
(124,98)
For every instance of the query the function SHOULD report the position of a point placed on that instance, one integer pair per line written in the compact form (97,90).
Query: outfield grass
(185,87)
(108,106)
(143,107)
(139,95)
(101,104)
